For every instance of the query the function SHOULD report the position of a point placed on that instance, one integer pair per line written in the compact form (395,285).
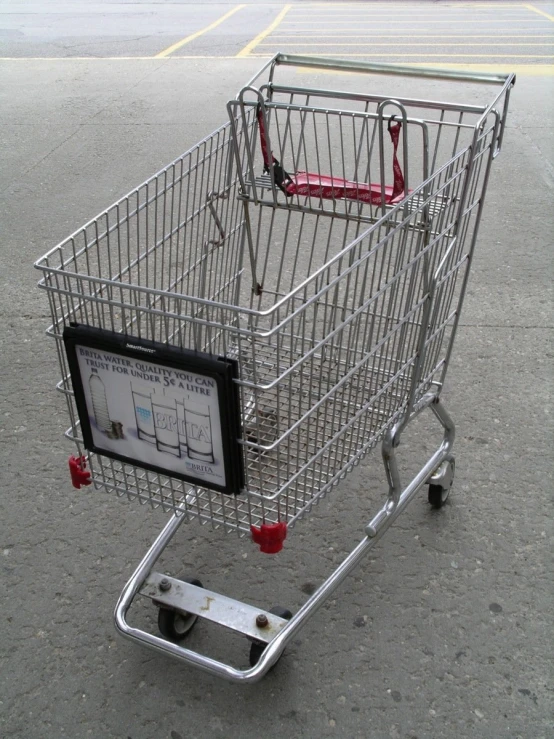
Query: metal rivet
(164,585)
(262,621)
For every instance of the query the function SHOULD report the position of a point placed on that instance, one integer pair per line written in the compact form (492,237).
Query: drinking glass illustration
(99,403)
(181,428)
(143,413)
(165,424)
(199,431)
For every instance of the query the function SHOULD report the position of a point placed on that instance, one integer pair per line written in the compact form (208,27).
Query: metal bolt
(164,585)
(262,621)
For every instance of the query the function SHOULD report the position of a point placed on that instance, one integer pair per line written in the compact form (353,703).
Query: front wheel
(176,625)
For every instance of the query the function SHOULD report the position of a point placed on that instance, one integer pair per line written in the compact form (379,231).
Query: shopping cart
(238,332)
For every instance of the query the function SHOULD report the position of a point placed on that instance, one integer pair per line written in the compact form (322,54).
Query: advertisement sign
(155,406)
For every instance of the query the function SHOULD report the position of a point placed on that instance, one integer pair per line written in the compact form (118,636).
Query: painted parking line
(540,12)
(410,36)
(479,33)
(386,8)
(170,49)
(442,56)
(520,11)
(340,29)
(372,22)
(425,44)
(356,27)
(107,58)
(249,48)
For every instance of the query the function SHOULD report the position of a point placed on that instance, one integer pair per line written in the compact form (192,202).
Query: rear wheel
(440,483)
(438,495)
(257,648)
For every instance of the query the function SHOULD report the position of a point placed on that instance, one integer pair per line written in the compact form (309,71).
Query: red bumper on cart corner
(270,537)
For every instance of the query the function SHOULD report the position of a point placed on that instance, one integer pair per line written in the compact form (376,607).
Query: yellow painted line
(75,58)
(455,56)
(260,37)
(402,46)
(415,35)
(410,35)
(540,12)
(201,32)
(523,70)
(389,9)
(434,22)
(199,56)
(429,11)
(411,5)
(405,5)
(529,69)
(424,16)
(102,58)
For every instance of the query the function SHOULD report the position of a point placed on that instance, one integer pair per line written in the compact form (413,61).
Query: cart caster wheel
(440,484)
(257,647)
(438,495)
(175,625)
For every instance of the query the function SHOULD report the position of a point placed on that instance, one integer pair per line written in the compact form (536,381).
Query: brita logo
(140,348)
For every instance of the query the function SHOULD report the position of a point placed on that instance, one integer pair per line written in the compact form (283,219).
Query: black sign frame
(211,430)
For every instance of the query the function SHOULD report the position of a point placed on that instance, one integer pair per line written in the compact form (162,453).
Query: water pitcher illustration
(99,403)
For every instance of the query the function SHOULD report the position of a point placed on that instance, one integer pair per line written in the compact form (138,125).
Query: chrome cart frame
(280,244)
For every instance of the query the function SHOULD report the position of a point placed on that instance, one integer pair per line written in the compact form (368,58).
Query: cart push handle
(344,65)
(506,80)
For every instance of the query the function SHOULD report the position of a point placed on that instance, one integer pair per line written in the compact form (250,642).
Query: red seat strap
(280,176)
(398,184)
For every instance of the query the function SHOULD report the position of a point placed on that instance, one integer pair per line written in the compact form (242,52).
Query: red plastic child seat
(307,184)
(335,188)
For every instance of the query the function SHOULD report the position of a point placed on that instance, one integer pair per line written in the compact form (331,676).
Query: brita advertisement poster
(166,417)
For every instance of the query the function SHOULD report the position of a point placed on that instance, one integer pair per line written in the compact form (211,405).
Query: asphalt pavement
(445,629)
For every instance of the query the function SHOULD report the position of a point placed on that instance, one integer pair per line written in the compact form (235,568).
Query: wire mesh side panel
(451,267)
(180,232)
(132,269)
(333,362)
